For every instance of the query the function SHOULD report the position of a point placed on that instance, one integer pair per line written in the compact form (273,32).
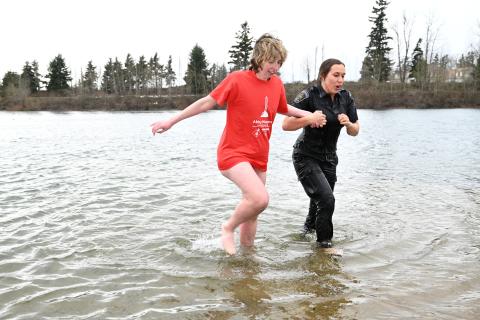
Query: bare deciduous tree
(307,69)
(431,36)
(403,45)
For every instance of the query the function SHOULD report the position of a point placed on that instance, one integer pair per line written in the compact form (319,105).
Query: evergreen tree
(241,51)
(130,74)
(36,84)
(27,78)
(197,73)
(221,74)
(58,74)
(366,73)
(11,81)
(419,64)
(377,65)
(157,72)
(476,74)
(470,59)
(443,65)
(90,77)
(436,60)
(438,68)
(444,61)
(141,74)
(119,76)
(170,74)
(108,79)
(467,61)
(461,61)
(217,74)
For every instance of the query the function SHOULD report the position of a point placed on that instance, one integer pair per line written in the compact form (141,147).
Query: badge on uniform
(301,96)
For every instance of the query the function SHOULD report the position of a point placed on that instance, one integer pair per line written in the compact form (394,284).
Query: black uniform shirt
(321,143)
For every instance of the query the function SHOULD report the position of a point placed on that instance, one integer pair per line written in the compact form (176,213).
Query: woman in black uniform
(314,153)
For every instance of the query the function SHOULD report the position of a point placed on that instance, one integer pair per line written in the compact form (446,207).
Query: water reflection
(309,287)
(325,283)
(248,290)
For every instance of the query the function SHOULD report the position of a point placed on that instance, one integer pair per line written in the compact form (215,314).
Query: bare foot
(228,241)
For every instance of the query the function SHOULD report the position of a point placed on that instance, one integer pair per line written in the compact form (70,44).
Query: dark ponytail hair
(325,68)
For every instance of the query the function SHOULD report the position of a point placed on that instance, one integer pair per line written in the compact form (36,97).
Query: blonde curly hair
(267,48)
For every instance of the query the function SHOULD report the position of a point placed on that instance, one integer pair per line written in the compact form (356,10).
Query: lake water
(100,220)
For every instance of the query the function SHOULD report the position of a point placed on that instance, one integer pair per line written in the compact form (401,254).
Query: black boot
(324,244)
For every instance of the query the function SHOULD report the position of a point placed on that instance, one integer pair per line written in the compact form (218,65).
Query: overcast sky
(100,29)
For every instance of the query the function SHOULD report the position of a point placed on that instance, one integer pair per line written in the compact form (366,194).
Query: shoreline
(381,97)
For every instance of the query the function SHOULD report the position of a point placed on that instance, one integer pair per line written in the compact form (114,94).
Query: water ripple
(102,221)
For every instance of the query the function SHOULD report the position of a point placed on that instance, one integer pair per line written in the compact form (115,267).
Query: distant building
(395,77)
(460,74)
(455,74)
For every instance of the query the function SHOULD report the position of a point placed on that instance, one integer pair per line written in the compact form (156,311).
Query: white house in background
(395,77)
(457,74)
(460,74)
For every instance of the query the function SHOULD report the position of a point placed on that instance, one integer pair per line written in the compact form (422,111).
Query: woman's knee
(259,200)
(330,201)
(325,201)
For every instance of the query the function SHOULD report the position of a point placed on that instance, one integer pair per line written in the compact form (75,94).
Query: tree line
(423,66)
(130,77)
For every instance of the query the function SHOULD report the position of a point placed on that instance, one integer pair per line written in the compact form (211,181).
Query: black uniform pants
(318,180)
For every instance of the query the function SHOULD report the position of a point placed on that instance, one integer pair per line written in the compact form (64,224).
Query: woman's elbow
(207,103)
(354,130)
(286,125)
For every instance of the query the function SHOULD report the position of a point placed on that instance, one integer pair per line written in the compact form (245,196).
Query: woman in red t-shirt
(253,97)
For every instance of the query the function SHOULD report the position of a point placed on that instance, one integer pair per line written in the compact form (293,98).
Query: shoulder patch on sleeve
(301,96)
(350,95)
(347,93)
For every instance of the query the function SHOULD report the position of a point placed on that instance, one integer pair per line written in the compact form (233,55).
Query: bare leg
(228,240)
(254,200)
(248,229)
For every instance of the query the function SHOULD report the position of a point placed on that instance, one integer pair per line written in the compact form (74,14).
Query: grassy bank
(389,96)
(384,96)
(95,102)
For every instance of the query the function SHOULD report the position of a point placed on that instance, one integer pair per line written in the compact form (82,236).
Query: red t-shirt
(251,108)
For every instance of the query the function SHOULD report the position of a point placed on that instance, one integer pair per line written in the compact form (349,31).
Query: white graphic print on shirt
(262,126)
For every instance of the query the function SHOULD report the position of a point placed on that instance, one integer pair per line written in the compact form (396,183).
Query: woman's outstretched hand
(160,126)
